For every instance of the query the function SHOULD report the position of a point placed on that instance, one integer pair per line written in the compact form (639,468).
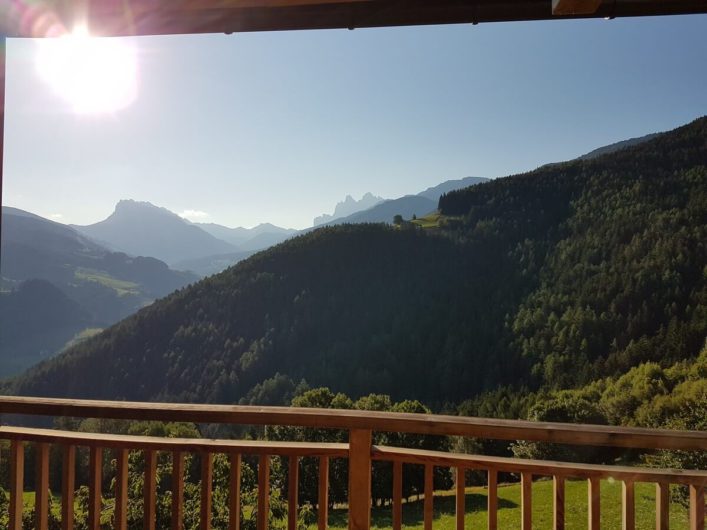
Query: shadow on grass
(413,514)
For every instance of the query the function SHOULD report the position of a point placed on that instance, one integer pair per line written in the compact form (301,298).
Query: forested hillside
(549,279)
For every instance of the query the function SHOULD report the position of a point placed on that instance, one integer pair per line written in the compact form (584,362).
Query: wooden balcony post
(558,486)
(121,489)
(594,502)
(177,490)
(460,497)
(323,501)
(493,500)
(41,486)
(628,506)
(234,494)
(207,476)
(292,492)
(397,495)
(17,480)
(360,479)
(94,488)
(68,485)
(149,492)
(526,500)
(697,507)
(429,496)
(263,492)
(662,505)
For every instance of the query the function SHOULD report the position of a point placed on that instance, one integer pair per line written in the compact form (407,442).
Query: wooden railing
(359,451)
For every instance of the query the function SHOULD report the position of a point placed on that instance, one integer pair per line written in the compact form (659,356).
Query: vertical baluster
(68,485)
(94,488)
(697,507)
(149,491)
(460,497)
(397,495)
(234,493)
(17,479)
(526,502)
(594,498)
(360,479)
(323,502)
(493,500)
(292,492)
(429,495)
(662,505)
(41,486)
(121,489)
(558,517)
(263,492)
(628,509)
(207,472)
(177,490)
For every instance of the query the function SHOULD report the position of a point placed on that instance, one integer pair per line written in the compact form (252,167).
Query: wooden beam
(121,489)
(575,7)
(460,484)
(397,495)
(17,481)
(177,522)
(429,496)
(360,479)
(68,486)
(41,487)
(628,506)
(292,492)
(207,474)
(526,501)
(95,478)
(558,513)
(263,492)
(149,491)
(493,500)
(234,495)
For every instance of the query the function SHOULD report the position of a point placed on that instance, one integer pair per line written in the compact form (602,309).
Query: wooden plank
(594,503)
(146,443)
(662,505)
(121,489)
(397,495)
(95,477)
(292,492)
(360,479)
(487,428)
(234,492)
(177,522)
(429,496)
(460,484)
(526,501)
(41,487)
(323,500)
(558,509)
(263,492)
(68,486)
(697,507)
(492,508)
(628,506)
(575,7)
(17,480)
(149,491)
(207,472)
(538,467)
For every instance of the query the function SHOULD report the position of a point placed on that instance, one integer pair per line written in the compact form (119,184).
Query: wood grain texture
(662,505)
(207,477)
(526,501)
(323,494)
(460,508)
(558,508)
(292,492)
(121,489)
(697,508)
(537,467)
(68,486)
(628,506)
(234,492)
(397,495)
(177,522)
(365,420)
(594,503)
(429,496)
(95,477)
(263,492)
(492,507)
(17,480)
(360,479)
(41,486)
(149,492)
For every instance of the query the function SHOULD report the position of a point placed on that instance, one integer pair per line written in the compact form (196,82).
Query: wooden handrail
(566,433)
(537,467)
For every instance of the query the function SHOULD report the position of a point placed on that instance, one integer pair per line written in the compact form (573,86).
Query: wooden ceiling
(40,18)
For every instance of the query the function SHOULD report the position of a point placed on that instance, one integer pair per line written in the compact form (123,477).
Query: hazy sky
(278,127)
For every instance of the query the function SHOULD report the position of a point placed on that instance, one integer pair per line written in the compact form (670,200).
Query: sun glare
(94,75)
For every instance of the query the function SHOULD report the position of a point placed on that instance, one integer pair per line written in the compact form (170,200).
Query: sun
(93,75)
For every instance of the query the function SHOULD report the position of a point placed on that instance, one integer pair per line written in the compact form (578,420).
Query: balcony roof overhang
(39,18)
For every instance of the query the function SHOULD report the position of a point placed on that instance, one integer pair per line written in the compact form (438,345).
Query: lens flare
(94,75)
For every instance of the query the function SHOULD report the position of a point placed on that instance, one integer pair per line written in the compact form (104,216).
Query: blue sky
(278,127)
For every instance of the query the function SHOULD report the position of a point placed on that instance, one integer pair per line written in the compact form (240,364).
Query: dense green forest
(543,281)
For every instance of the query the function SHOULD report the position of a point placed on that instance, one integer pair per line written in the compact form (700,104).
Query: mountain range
(544,280)
(83,285)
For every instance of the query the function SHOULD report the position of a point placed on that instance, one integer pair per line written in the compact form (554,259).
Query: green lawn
(121,287)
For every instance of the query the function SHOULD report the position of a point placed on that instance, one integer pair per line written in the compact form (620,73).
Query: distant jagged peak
(131,207)
(349,206)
